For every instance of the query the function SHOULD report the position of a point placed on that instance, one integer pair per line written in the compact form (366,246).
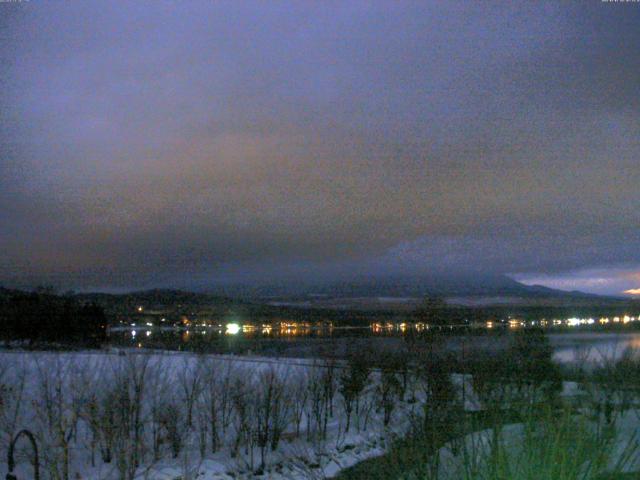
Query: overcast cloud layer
(150,143)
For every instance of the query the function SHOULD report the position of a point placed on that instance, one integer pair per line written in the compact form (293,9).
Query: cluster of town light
(295,328)
(570,322)
(389,327)
(233,328)
(402,327)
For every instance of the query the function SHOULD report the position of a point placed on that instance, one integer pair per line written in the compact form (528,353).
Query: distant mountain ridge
(365,287)
(409,286)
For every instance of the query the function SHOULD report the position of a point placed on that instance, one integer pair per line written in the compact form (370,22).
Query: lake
(593,346)
(586,346)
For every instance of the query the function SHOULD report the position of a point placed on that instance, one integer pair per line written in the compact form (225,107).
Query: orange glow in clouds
(633,291)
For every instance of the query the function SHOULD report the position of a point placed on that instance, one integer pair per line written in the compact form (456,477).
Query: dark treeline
(42,316)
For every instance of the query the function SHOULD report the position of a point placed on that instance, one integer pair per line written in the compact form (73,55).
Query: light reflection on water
(593,347)
(569,347)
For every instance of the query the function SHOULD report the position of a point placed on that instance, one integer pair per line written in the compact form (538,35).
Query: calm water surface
(569,347)
(593,346)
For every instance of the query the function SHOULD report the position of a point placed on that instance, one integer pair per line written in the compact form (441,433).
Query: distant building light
(232,328)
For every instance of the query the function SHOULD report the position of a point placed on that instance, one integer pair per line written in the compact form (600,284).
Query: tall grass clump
(549,444)
(530,431)
(613,385)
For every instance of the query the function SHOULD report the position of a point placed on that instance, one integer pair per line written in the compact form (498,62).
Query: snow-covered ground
(125,415)
(162,415)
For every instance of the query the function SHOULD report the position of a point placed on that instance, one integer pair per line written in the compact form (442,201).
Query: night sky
(189,144)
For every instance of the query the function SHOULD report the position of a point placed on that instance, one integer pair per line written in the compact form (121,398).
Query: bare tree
(58,410)
(389,392)
(159,390)
(190,378)
(240,396)
(299,388)
(316,406)
(217,399)
(352,381)
(171,422)
(125,412)
(12,389)
(272,410)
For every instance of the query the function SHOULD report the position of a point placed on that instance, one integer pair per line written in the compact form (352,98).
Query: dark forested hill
(42,316)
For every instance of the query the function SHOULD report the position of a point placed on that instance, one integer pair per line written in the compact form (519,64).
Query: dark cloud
(148,142)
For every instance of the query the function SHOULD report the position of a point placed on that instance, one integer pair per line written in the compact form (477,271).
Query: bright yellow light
(633,291)
(232,328)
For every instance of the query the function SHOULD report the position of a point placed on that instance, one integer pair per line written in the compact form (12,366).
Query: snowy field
(135,415)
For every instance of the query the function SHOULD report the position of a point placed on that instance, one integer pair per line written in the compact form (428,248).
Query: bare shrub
(519,377)
(440,393)
(614,386)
